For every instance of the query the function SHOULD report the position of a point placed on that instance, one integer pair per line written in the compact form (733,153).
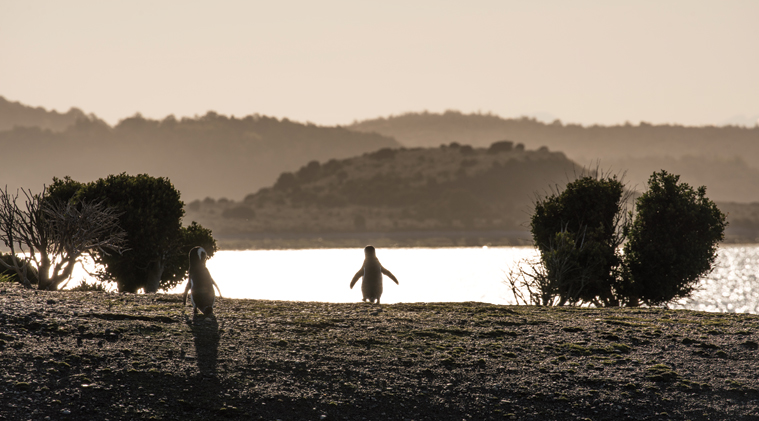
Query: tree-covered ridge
(208,155)
(724,158)
(431,129)
(451,187)
(14,114)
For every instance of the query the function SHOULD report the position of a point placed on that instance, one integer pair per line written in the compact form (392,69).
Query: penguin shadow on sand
(372,271)
(205,331)
(205,327)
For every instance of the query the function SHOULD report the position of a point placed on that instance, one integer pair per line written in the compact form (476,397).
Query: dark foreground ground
(79,356)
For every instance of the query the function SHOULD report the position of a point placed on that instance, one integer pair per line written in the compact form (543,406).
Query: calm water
(441,274)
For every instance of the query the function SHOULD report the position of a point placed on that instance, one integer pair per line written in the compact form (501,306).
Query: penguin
(372,270)
(200,283)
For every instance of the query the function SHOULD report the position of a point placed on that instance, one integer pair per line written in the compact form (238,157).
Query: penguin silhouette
(200,283)
(372,270)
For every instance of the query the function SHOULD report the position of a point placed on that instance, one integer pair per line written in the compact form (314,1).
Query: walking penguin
(200,285)
(372,270)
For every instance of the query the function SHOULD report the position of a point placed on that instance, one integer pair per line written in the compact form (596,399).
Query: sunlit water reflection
(440,275)
(732,285)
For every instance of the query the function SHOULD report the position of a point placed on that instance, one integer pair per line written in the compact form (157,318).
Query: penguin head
(369,251)
(198,255)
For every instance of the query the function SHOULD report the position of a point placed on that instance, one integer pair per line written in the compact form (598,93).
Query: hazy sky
(331,62)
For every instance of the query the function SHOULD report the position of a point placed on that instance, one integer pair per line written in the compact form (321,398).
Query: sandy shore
(74,355)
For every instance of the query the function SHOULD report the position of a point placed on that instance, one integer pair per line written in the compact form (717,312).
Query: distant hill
(15,114)
(725,159)
(452,195)
(212,155)
(483,194)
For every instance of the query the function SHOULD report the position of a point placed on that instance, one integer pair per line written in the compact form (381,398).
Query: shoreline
(297,241)
(430,239)
(96,355)
(389,239)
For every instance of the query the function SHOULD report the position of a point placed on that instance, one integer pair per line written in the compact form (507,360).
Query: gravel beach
(110,356)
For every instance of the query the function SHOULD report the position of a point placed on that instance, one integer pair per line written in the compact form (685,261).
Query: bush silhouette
(151,214)
(576,232)
(672,242)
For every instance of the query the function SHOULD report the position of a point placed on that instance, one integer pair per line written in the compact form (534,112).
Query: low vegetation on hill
(450,188)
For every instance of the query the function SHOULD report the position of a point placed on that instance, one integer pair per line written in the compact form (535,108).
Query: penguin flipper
(217,287)
(358,275)
(390,275)
(186,290)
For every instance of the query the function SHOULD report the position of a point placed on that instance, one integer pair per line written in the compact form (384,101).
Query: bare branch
(11,220)
(54,235)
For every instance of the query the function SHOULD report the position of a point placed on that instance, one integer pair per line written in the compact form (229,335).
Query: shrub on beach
(577,231)
(150,211)
(671,243)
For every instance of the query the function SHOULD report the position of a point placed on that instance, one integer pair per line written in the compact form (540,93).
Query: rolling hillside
(726,159)
(397,196)
(451,195)
(212,155)
(15,114)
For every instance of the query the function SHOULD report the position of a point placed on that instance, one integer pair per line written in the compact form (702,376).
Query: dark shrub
(501,146)
(673,241)
(309,172)
(384,153)
(466,150)
(332,166)
(576,233)
(285,181)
